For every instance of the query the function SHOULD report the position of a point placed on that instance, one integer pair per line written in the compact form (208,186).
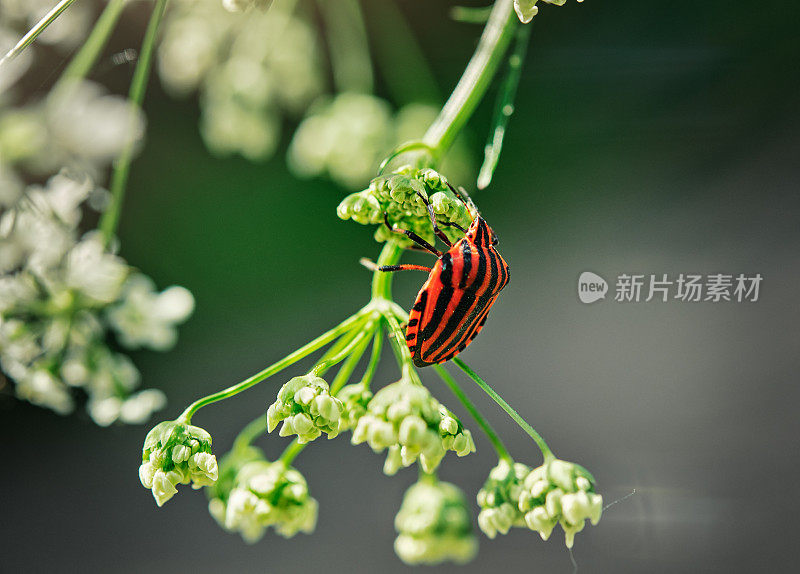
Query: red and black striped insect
(451,307)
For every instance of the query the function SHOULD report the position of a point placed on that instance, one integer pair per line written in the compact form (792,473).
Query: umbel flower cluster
(434,525)
(63,296)
(253,494)
(398,197)
(558,492)
(306,408)
(405,419)
(176,453)
(251,69)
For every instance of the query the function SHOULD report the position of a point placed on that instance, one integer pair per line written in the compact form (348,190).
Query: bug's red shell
(452,305)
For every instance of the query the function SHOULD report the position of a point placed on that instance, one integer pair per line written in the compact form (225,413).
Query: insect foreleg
(412,236)
(439,233)
(390,268)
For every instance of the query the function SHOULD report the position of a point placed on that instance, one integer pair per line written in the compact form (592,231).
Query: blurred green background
(648,138)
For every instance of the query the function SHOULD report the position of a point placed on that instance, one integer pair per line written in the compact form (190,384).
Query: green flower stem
(499,447)
(287,361)
(348,45)
(375,357)
(291,452)
(87,56)
(253,430)
(347,368)
(381,281)
(476,77)
(546,452)
(34,32)
(119,179)
(321,367)
(398,340)
(360,333)
(504,107)
(409,78)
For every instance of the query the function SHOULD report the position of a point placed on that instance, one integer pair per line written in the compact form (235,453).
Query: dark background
(648,138)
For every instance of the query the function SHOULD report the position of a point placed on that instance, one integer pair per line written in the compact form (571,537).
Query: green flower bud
(397,195)
(307,409)
(176,453)
(559,492)
(527,9)
(414,426)
(434,525)
(499,498)
(259,494)
(355,399)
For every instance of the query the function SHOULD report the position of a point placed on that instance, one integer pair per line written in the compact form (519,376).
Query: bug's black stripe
(419,306)
(443,296)
(456,318)
(466,252)
(475,299)
(413,322)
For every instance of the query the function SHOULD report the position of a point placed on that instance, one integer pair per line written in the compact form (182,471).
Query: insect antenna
(461,193)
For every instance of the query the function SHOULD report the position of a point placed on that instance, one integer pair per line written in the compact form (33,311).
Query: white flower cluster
(499,498)
(434,525)
(559,492)
(176,453)
(60,297)
(404,418)
(261,494)
(347,136)
(79,126)
(397,197)
(307,409)
(250,69)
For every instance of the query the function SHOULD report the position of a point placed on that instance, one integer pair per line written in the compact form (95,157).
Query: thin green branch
(504,107)
(253,430)
(499,447)
(119,179)
(87,56)
(348,45)
(291,452)
(357,350)
(476,77)
(359,333)
(287,361)
(546,452)
(407,74)
(374,359)
(37,29)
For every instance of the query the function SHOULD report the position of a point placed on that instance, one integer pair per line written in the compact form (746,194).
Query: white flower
(104,411)
(163,488)
(41,388)
(146,318)
(137,408)
(86,122)
(94,272)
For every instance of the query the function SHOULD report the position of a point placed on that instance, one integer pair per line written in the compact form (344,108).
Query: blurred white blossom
(61,293)
(347,137)
(250,68)
(146,318)
(79,126)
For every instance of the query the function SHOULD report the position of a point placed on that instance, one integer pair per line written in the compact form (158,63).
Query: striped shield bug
(451,307)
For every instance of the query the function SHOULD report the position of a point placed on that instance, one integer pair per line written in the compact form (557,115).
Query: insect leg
(439,233)
(412,236)
(389,268)
(461,193)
